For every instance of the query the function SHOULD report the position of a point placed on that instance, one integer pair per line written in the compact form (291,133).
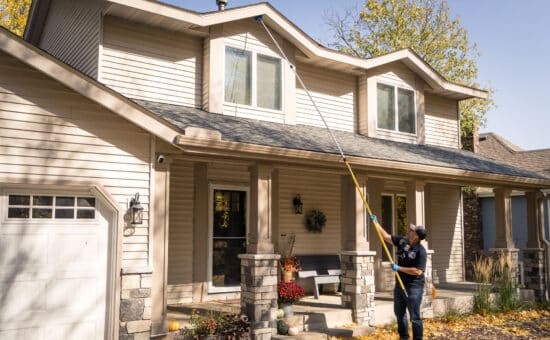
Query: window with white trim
(396,108)
(252,79)
(40,207)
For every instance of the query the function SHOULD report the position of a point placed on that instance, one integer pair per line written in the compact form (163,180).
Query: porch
(327,316)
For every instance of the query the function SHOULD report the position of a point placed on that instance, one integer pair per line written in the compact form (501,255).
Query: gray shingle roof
(302,137)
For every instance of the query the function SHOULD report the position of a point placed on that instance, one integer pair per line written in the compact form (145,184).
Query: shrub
(229,326)
(291,264)
(289,292)
(483,274)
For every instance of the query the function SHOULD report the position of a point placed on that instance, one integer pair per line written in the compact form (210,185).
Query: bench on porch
(321,269)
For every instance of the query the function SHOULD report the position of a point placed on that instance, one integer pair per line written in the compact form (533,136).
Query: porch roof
(316,139)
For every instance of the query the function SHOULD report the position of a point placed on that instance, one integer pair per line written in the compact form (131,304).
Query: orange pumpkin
(173,326)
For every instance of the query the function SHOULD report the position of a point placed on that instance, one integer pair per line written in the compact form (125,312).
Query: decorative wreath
(315,221)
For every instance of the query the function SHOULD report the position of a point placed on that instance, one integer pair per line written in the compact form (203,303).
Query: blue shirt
(410,256)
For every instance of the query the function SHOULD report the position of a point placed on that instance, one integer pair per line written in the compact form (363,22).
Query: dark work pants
(400,306)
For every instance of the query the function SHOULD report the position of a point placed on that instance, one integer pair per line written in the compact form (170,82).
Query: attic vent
(221,4)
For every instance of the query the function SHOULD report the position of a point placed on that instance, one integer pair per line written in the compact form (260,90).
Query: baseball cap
(419,229)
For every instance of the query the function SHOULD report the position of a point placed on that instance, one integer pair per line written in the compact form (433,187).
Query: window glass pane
(18,213)
(269,82)
(85,213)
(64,201)
(86,202)
(42,200)
(64,213)
(19,200)
(405,103)
(42,213)
(226,266)
(229,213)
(401,213)
(386,107)
(386,218)
(238,76)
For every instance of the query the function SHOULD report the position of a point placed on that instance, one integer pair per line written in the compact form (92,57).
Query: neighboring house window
(394,217)
(396,109)
(252,79)
(50,207)
(229,217)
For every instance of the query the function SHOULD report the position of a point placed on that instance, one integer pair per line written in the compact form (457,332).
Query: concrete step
(302,336)
(384,313)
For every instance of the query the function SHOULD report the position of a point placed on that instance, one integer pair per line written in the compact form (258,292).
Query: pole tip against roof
(221,4)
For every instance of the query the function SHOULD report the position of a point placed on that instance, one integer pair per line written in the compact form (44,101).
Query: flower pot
(287,276)
(288,309)
(209,337)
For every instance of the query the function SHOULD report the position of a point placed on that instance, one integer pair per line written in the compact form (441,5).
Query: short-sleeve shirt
(410,256)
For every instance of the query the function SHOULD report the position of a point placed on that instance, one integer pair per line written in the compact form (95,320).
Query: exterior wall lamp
(136,210)
(298,205)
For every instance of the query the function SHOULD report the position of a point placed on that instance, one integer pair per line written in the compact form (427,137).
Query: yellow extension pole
(365,203)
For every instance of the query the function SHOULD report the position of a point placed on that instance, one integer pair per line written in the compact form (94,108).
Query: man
(411,264)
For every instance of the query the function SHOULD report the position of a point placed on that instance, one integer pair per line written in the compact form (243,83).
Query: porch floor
(326,312)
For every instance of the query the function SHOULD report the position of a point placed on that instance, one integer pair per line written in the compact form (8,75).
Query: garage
(53,265)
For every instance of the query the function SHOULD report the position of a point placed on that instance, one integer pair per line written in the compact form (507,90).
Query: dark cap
(419,229)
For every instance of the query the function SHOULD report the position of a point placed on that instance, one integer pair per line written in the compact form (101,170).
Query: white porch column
(354,215)
(415,202)
(261,210)
(160,246)
(504,243)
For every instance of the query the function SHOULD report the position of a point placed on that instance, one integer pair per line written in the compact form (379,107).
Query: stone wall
(358,285)
(135,305)
(533,266)
(473,232)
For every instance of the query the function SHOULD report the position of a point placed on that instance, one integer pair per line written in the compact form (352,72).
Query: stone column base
(534,271)
(135,304)
(259,293)
(358,285)
(512,254)
(426,309)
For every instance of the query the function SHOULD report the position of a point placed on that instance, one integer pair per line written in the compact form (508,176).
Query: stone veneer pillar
(358,285)
(427,310)
(259,293)
(533,267)
(135,305)
(512,254)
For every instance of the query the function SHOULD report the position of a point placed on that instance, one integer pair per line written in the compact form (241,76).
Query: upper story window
(396,109)
(252,79)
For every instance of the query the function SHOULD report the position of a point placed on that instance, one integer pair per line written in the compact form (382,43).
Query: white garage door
(53,265)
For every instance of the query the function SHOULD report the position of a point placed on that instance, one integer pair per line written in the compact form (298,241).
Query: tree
(425,26)
(13,15)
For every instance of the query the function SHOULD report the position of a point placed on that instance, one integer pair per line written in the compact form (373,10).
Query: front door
(229,219)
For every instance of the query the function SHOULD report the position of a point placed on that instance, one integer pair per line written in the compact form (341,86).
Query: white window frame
(254,78)
(209,262)
(4,205)
(393,216)
(396,88)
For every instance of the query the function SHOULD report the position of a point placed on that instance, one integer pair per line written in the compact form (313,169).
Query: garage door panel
(23,250)
(62,294)
(22,299)
(81,330)
(74,250)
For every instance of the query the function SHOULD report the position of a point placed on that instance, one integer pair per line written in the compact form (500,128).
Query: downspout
(546,244)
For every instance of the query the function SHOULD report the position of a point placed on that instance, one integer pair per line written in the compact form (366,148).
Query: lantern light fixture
(136,210)
(298,205)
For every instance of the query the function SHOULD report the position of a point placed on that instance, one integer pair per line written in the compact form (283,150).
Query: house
(493,146)
(199,117)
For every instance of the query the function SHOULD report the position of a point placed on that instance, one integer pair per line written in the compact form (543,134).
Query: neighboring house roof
(301,137)
(40,60)
(175,18)
(495,147)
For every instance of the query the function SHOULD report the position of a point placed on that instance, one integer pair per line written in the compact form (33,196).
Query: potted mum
(289,266)
(288,294)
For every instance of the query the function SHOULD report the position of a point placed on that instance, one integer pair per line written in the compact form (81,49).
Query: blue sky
(512,36)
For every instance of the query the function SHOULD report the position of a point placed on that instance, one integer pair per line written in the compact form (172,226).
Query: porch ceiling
(394,155)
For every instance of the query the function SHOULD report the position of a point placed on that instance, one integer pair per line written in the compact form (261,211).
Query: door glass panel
(401,214)
(387,219)
(229,236)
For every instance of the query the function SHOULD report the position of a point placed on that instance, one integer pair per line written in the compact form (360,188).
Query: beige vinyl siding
(334,95)
(317,191)
(441,121)
(249,35)
(72,32)
(50,133)
(152,64)
(180,247)
(206,75)
(445,233)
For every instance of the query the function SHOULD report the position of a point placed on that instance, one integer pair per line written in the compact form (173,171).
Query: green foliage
(13,15)
(425,26)
(282,327)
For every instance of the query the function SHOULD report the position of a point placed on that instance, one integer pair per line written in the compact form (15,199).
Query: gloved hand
(373,219)
(395,267)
